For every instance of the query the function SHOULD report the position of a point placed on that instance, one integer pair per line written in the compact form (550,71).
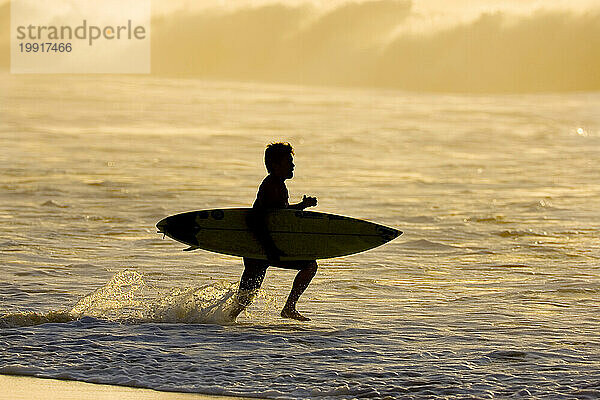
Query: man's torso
(272,193)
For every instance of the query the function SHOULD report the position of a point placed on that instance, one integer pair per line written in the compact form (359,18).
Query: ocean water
(492,291)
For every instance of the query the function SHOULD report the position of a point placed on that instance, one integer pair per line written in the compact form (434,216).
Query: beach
(26,388)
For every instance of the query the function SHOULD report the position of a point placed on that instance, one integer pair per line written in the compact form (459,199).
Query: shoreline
(19,387)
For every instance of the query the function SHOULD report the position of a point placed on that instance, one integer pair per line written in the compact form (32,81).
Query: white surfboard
(301,235)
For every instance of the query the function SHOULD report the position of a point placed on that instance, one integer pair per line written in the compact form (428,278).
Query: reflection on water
(491,291)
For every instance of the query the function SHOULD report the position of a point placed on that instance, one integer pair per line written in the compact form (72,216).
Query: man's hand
(308,201)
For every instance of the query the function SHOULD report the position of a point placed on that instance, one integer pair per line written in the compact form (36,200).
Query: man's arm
(257,221)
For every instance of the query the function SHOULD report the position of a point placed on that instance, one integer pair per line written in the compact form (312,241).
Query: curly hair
(275,152)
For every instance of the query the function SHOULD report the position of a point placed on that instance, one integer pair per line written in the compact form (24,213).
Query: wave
(509,355)
(424,244)
(515,233)
(373,44)
(370,44)
(493,219)
(53,204)
(21,319)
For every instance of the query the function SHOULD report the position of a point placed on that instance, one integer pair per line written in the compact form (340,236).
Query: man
(273,194)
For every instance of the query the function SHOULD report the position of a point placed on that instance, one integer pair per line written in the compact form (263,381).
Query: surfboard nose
(387,233)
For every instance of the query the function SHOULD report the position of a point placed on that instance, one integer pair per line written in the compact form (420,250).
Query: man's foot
(235,310)
(293,314)
(241,301)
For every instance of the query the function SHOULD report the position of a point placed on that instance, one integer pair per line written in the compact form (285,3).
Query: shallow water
(492,291)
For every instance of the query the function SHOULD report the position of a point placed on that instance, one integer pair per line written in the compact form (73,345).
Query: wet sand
(26,387)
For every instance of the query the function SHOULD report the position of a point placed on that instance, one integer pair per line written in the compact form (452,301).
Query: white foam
(127,297)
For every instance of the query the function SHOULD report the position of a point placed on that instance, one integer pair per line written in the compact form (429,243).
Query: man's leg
(252,278)
(301,282)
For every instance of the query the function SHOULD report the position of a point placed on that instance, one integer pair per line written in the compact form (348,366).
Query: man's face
(284,168)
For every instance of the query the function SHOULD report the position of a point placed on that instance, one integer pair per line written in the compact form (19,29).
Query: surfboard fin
(191,248)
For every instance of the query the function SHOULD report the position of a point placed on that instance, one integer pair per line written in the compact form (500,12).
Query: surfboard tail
(161,226)
(181,227)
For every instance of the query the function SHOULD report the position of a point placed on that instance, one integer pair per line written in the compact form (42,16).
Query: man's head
(279,160)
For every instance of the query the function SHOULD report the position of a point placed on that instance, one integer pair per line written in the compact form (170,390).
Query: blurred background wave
(479,46)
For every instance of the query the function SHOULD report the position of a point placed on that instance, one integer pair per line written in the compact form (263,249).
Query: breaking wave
(370,43)
(375,44)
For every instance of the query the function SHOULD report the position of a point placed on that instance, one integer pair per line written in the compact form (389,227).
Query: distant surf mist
(372,44)
(365,44)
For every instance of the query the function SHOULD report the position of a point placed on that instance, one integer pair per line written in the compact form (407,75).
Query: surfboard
(301,235)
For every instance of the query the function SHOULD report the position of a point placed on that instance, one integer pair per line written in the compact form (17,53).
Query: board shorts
(255,270)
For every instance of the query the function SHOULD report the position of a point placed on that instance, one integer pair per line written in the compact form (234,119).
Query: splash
(122,298)
(128,298)
(207,305)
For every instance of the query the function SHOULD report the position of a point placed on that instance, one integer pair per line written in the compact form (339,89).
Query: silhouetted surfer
(273,194)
